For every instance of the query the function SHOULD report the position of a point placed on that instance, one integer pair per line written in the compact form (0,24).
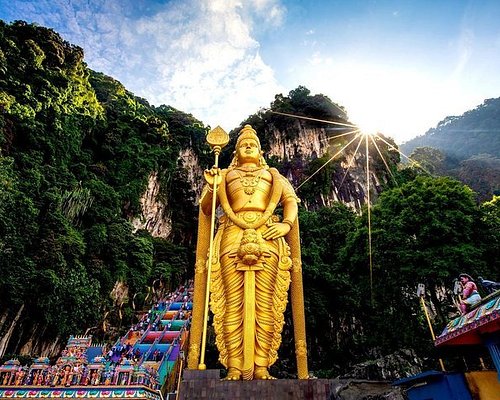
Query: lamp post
(421,294)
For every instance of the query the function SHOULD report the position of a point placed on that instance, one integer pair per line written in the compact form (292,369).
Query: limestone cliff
(194,172)
(304,148)
(156,212)
(309,142)
(155,216)
(298,149)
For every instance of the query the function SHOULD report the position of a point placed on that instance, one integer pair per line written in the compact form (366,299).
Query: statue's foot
(262,373)
(233,374)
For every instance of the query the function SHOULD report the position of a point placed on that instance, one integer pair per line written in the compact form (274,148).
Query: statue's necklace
(249,180)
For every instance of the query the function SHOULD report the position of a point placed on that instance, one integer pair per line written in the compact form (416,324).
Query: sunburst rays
(330,159)
(362,136)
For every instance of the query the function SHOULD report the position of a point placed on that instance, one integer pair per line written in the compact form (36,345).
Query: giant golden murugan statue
(255,259)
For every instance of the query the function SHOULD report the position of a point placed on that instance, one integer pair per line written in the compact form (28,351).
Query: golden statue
(255,258)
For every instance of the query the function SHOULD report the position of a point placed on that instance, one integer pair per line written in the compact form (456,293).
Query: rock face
(394,366)
(189,162)
(119,294)
(155,217)
(309,143)
(45,348)
(293,151)
(349,183)
(155,211)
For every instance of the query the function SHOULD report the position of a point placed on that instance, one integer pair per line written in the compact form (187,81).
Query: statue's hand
(212,175)
(276,230)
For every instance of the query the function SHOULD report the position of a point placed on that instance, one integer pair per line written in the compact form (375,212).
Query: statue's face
(248,151)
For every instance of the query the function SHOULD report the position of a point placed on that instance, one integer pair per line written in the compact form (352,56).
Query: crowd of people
(152,320)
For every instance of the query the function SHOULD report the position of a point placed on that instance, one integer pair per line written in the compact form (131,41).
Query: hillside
(325,161)
(98,195)
(78,152)
(475,132)
(92,176)
(469,148)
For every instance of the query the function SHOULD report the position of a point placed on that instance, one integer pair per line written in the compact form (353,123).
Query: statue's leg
(233,317)
(265,282)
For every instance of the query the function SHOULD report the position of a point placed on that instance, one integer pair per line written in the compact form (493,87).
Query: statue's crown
(247,133)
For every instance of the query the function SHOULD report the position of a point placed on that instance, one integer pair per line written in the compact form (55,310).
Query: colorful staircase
(144,363)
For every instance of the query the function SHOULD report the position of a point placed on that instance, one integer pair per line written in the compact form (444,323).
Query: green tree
(77,153)
(329,295)
(429,159)
(425,231)
(489,236)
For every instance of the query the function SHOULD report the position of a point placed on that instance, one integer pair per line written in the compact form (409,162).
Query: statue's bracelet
(288,222)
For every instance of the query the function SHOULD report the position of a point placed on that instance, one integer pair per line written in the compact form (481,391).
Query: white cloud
(465,46)
(272,11)
(318,59)
(208,62)
(199,56)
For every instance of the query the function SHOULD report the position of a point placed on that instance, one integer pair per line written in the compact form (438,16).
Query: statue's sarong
(272,279)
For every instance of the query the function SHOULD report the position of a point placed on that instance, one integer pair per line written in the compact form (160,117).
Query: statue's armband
(288,191)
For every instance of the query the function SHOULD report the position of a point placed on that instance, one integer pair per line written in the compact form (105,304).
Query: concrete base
(207,385)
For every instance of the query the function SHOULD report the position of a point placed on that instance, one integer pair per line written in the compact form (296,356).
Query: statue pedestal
(207,385)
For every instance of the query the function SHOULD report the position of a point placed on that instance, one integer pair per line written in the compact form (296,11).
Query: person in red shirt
(470,295)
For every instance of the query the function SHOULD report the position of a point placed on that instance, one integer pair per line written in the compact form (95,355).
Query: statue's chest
(240,183)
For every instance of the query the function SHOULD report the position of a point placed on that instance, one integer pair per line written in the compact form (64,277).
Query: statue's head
(247,133)
(248,142)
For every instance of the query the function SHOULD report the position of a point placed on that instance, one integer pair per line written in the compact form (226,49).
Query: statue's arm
(211,176)
(206,199)
(289,201)
(290,210)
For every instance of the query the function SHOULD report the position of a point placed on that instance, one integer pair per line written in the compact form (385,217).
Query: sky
(398,67)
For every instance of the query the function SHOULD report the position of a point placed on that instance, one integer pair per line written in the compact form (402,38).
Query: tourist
(470,295)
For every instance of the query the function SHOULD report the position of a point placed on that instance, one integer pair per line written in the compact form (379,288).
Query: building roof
(467,329)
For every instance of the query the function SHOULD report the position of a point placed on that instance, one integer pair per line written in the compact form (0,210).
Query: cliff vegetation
(98,210)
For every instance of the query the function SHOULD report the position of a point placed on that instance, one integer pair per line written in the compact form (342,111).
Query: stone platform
(207,385)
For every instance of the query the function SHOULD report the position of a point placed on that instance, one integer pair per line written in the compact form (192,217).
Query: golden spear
(217,138)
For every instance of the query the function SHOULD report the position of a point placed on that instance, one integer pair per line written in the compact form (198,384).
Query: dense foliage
(424,230)
(77,151)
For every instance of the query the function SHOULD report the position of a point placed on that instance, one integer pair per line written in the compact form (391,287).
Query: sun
(368,126)
(369,133)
